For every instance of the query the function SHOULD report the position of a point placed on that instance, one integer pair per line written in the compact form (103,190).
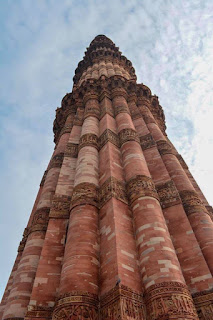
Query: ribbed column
(20,293)
(159,265)
(47,278)
(197,276)
(9,283)
(79,276)
(120,283)
(196,212)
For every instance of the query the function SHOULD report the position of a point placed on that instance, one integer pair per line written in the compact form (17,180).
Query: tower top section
(103,54)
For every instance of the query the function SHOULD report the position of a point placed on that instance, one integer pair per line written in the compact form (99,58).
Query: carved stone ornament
(40,220)
(169,300)
(126,135)
(92,109)
(210,211)
(135,115)
(108,136)
(56,161)
(66,129)
(24,240)
(191,202)
(71,150)
(112,188)
(76,305)
(88,139)
(182,162)
(38,312)
(118,92)
(141,186)
(204,304)
(164,147)
(147,141)
(122,303)
(168,194)
(60,207)
(148,119)
(85,193)
(121,108)
(43,178)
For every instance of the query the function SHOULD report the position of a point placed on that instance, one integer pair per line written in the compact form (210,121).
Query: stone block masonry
(120,229)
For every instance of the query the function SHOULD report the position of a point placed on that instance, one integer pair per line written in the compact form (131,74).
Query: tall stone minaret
(119,228)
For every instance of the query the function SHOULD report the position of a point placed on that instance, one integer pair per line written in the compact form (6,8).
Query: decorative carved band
(24,240)
(122,303)
(76,305)
(140,186)
(60,207)
(191,202)
(147,141)
(210,211)
(91,111)
(66,129)
(85,193)
(169,300)
(121,108)
(204,304)
(118,92)
(43,178)
(40,220)
(88,139)
(112,188)
(90,95)
(182,162)
(56,161)
(78,121)
(126,135)
(164,147)
(135,115)
(108,136)
(71,150)
(38,312)
(168,194)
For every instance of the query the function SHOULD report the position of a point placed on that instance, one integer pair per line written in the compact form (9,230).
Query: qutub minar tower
(119,228)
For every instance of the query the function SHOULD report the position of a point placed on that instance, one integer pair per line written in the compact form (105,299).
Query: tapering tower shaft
(119,229)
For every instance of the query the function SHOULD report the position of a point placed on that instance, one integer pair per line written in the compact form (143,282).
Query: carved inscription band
(39,312)
(147,141)
(112,188)
(171,299)
(122,303)
(126,135)
(141,186)
(191,202)
(71,150)
(40,220)
(164,147)
(76,305)
(204,304)
(168,194)
(60,207)
(108,136)
(88,139)
(56,161)
(85,193)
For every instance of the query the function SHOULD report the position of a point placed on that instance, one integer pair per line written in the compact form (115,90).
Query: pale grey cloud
(170,45)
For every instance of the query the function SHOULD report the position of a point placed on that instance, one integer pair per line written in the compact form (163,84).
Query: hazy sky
(41,42)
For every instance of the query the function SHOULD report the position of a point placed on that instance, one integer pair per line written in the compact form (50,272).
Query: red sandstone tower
(119,228)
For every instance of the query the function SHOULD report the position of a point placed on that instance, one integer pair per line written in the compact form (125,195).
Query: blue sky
(170,45)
